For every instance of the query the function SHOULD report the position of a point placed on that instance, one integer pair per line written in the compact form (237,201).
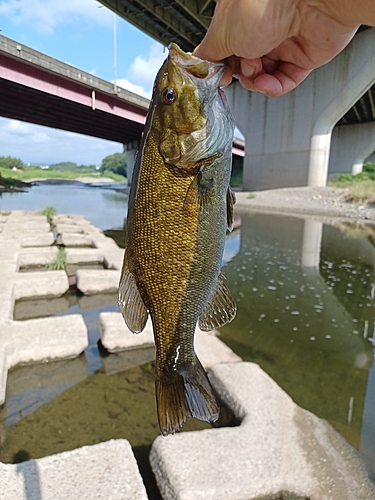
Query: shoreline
(105,182)
(323,202)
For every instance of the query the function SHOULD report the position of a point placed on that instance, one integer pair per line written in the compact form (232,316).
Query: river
(306,314)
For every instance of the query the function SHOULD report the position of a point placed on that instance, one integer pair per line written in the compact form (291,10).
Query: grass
(49,212)
(60,263)
(7,175)
(360,187)
(113,176)
(9,183)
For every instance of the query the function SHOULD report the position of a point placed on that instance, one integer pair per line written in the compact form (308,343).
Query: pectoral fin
(201,186)
(198,193)
(221,309)
(231,200)
(131,304)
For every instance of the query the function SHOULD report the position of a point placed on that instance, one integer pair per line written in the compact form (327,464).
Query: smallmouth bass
(180,207)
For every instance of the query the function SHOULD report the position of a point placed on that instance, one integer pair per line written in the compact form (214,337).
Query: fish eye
(169,95)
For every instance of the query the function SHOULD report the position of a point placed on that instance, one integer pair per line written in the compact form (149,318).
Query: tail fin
(183,394)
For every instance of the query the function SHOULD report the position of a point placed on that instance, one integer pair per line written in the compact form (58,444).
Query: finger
(286,78)
(210,49)
(227,77)
(248,70)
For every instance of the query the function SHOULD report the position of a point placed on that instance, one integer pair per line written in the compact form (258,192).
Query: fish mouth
(194,66)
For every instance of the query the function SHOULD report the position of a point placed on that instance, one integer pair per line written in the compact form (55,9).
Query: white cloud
(17,127)
(143,69)
(40,137)
(132,87)
(45,15)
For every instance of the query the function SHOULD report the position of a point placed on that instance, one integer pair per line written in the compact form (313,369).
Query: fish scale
(180,207)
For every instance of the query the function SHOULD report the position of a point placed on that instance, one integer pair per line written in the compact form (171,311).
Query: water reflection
(305,295)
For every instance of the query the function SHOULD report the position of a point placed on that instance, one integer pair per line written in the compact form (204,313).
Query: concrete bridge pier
(288,138)
(131,152)
(350,147)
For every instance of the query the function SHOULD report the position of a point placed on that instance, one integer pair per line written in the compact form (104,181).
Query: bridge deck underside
(30,105)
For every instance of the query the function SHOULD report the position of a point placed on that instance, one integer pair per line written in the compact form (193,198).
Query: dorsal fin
(221,309)
(131,304)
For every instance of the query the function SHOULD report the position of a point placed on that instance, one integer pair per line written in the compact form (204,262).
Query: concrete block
(40,340)
(278,448)
(83,256)
(116,336)
(36,226)
(99,239)
(91,281)
(69,219)
(6,303)
(41,284)
(3,218)
(74,240)
(46,338)
(3,369)
(67,228)
(103,471)
(37,257)
(211,350)
(37,240)
(113,257)
(9,253)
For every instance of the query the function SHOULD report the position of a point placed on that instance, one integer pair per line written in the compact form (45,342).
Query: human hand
(273,45)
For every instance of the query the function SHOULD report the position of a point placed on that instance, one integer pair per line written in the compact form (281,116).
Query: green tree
(10,162)
(114,163)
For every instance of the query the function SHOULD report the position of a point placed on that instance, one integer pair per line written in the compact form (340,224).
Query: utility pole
(114,53)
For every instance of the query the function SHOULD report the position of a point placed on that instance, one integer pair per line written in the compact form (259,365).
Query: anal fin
(221,309)
(131,304)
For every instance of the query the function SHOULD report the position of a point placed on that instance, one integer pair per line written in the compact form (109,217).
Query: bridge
(305,147)
(325,126)
(39,89)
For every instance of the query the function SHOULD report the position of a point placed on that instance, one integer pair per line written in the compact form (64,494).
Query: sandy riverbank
(327,202)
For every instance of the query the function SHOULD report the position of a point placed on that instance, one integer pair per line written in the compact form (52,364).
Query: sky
(80,33)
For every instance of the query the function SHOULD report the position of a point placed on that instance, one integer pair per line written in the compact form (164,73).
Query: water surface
(306,296)
(104,207)
(305,293)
